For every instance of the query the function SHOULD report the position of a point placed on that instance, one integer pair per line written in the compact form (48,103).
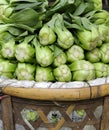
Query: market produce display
(64,40)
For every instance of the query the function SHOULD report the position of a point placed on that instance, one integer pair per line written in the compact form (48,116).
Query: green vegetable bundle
(64,40)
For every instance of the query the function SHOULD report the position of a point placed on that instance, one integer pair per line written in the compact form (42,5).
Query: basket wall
(66,109)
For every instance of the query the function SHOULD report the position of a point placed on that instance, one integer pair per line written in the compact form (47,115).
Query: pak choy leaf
(26,5)
(60,6)
(38,5)
(69,21)
(76,20)
(80,9)
(74,26)
(14,1)
(5,36)
(27,17)
(79,23)
(86,23)
(83,7)
(13,29)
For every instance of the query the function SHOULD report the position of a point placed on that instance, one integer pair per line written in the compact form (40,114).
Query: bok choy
(44,74)
(44,55)
(104,49)
(93,55)
(7,68)
(82,70)
(62,73)
(75,52)
(46,35)
(101,69)
(59,56)
(8,49)
(25,71)
(25,52)
(65,37)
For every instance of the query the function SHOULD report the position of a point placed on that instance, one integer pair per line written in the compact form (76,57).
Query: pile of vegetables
(64,40)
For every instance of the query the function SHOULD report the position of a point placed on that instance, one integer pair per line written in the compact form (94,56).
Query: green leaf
(90,14)
(80,9)
(26,16)
(5,36)
(86,23)
(27,5)
(25,27)
(73,26)
(76,19)
(15,31)
(60,6)
(13,1)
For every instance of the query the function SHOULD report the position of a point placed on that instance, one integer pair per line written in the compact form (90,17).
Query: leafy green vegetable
(44,74)
(104,32)
(97,4)
(93,55)
(65,37)
(44,55)
(61,6)
(25,71)
(6,66)
(88,39)
(75,52)
(27,17)
(24,51)
(48,41)
(62,73)
(100,17)
(5,36)
(8,49)
(59,56)
(7,75)
(46,35)
(101,69)
(82,70)
(104,49)
(7,69)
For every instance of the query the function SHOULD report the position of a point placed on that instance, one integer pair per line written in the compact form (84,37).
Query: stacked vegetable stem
(64,40)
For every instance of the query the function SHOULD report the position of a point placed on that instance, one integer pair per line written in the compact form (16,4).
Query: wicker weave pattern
(65,108)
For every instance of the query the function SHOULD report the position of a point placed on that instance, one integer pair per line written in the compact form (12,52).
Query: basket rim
(64,94)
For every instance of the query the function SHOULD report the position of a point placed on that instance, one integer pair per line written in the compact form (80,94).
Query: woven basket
(59,91)
(59,99)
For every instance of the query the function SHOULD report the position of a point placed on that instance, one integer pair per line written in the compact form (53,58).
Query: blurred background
(106,5)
